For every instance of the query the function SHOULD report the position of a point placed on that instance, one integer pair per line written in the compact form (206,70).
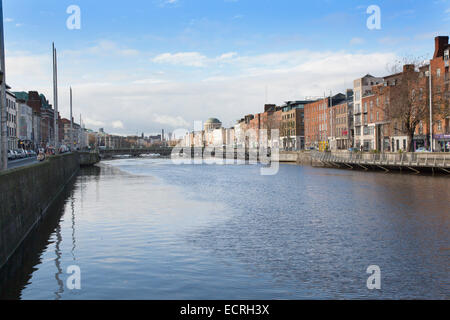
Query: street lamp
(428,74)
(3,111)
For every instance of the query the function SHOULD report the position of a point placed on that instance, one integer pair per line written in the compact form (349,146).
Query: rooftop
(213,120)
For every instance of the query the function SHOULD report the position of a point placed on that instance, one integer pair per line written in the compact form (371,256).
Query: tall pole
(331,120)
(80,132)
(431,112)
(55,96)
(3,115)
(72,142)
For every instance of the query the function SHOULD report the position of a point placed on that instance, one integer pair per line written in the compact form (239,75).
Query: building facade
(292,133)
(12,121)
(25,125)
(363,134)
(341,124)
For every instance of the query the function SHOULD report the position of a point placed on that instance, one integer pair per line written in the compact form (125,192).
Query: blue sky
(146,65)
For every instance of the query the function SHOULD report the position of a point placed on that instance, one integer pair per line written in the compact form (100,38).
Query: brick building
(362,90)
(341,124)
(292,133)
(316,114)
(440,85)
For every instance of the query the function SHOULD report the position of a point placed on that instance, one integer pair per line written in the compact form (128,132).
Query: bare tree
(407,105)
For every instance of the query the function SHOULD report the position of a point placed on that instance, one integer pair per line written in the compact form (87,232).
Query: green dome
(213,120)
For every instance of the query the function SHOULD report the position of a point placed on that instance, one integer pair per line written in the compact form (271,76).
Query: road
(21,162)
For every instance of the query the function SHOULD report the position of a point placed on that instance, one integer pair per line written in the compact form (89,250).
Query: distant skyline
(147,65)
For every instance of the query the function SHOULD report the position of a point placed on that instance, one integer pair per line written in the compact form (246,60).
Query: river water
(149,229)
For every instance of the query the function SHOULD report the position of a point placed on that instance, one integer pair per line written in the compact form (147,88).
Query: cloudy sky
(145,65)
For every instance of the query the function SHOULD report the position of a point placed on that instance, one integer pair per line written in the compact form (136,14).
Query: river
(150,229)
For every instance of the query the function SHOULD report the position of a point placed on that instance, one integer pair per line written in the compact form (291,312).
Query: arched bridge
(162,151)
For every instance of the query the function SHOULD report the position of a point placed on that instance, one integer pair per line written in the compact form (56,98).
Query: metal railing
(438,160)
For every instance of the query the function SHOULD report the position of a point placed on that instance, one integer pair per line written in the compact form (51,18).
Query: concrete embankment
(27,192)
(298,157)
(89,158)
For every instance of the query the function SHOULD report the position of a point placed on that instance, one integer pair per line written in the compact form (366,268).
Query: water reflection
(146,229)
(59,271)
(16,275)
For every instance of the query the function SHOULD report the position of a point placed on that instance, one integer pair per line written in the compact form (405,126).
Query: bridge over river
(135,152)
(193,152)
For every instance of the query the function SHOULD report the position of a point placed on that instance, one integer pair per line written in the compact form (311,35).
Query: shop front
(442,142)
(420,142)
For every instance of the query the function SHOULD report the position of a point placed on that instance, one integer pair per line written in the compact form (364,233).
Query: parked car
(63,149)
(24,152)
(11,155)
(20,153)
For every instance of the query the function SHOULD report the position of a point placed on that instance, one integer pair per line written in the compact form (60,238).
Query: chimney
(269,107)
(440,44)
(408,68)
(349,93)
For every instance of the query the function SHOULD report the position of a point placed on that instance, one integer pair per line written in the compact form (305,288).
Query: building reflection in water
(17,273)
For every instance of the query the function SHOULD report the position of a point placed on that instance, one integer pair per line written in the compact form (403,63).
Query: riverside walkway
(416,162)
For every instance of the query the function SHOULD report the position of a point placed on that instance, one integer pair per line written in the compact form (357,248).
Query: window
(378,116)
(439,125)
(438,72)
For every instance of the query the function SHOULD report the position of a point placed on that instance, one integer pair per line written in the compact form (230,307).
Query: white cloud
(150,101)
(356,41)
(190,59)
(394,41)
(91,122)
(103,47)
(149,81)
(227,56)
(25,69)
(164,3)
(174,122)
(118,124)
